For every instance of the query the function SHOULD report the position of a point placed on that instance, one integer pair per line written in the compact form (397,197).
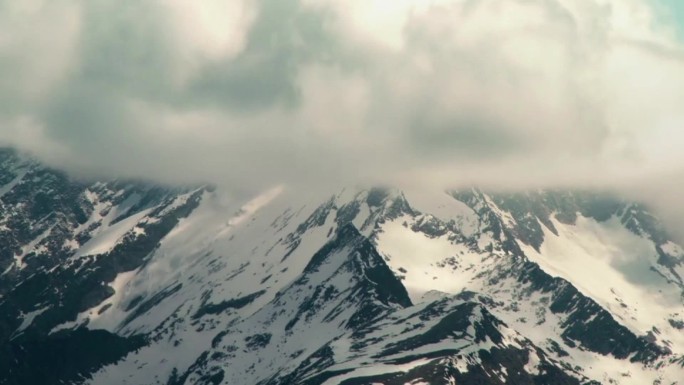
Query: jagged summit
(132,283)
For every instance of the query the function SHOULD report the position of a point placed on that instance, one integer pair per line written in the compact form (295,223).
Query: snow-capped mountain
(120,282)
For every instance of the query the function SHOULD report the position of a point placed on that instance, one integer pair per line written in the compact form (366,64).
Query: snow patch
(425,264)
(106,240)
(610,264)
(27,319)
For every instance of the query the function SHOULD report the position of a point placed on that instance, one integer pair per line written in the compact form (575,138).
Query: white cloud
(508,93)
(33,56)
(379,24)
(208,30)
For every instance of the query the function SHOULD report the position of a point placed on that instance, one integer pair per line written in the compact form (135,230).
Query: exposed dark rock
(258,341)
(238,303)
(66,357)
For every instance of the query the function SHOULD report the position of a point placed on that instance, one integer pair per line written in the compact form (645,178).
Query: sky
(673,12)
(252,93)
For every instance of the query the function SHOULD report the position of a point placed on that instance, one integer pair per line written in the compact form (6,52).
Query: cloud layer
(255,92)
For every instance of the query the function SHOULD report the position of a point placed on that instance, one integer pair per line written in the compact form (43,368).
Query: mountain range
(133,282)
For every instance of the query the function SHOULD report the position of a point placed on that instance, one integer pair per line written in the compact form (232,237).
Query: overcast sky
(250,93)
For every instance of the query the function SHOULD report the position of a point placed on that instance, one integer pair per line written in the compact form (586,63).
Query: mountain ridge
(363,285)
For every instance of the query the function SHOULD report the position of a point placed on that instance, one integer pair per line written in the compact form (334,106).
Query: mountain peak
(359,286)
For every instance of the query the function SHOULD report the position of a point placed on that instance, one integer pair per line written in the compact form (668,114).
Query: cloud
(251,93)
(33,57)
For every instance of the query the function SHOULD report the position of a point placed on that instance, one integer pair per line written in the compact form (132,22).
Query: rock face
(117,282)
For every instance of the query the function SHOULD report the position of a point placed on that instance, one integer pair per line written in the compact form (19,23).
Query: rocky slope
(129,283)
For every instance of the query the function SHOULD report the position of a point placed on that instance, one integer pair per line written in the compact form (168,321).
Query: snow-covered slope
(136,284)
